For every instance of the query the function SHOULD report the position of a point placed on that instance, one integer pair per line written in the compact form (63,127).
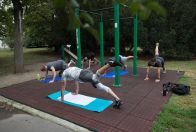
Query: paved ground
(142,102)
(14,120)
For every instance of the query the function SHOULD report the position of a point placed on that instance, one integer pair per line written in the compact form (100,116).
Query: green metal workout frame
(101,36)
(116,26)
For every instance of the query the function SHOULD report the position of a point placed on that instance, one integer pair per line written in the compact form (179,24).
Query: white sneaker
(157,80)
(147,78)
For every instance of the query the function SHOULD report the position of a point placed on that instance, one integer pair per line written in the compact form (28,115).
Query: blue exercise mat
(48,79)
(94,104)
(112,74)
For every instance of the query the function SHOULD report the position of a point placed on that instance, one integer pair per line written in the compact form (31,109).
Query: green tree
(54,22)
(175,32)
(6,25)
(18,45)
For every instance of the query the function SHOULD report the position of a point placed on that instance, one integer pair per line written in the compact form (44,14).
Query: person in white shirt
(86,75)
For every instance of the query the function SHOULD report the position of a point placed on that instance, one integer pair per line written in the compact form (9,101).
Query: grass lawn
(31,56)
(179,114)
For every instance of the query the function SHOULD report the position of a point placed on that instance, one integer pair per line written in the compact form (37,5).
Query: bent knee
(102,87)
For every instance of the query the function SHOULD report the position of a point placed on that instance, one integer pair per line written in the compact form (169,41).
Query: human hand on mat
(62,99)
(51,81)
(74,93)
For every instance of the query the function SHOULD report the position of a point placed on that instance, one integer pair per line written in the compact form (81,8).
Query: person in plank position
(122,60)
(90,58)
(55,66)
(157,62)
(86,75)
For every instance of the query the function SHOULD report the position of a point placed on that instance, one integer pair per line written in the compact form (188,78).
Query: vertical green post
(78,41)
(116,39)
(135,45)
(62,52)
(101,42)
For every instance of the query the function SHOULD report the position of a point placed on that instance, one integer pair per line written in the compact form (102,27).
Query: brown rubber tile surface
(142,100)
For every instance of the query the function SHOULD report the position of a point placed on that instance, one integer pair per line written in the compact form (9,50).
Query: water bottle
(38,77)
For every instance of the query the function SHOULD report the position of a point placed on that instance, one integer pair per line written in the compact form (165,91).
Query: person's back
(71,73)
(58,65)
(156,62)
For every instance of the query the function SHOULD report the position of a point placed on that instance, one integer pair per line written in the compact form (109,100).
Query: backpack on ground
(179,89)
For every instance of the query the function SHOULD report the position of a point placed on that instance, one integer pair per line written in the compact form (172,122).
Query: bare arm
(46,74)
(97,61)
(89,63)
(63,86)
(77,88)
(53,73)
(71,61)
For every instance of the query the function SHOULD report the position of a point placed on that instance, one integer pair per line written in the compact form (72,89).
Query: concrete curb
(43,115)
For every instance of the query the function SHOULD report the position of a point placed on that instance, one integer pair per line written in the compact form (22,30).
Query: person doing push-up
(122,60)
(86,75)
(55,66)
(89,58)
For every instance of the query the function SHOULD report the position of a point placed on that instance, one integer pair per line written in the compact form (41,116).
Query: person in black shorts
(87,76)
(122,60)
(157,62)
(54,66)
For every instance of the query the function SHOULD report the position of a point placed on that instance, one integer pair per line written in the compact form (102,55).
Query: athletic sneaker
(157,80)
(113,63)
(117,104)
(94,85)
(147,78)
(164,71)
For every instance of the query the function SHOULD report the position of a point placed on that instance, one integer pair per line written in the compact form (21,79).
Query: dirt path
(29,74)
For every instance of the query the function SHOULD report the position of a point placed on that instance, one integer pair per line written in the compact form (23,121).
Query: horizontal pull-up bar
(91,12)
(122,18)
(124,5)
(102,9)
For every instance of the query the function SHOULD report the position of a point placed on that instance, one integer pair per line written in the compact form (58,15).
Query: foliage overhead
(53,22)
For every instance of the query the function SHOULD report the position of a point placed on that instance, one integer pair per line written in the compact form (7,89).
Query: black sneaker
(113,63)
(117,104)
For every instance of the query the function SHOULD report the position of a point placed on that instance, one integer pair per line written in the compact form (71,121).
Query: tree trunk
(18,45)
